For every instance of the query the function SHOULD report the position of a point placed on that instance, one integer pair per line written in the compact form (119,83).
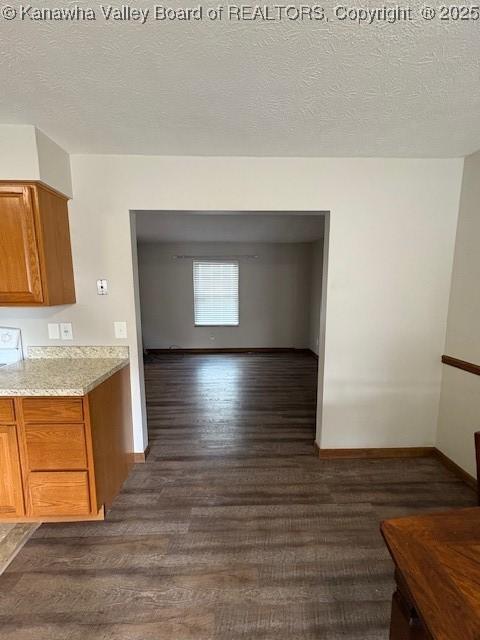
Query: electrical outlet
(102,287)
(120,328)
(54,331)
(66,330)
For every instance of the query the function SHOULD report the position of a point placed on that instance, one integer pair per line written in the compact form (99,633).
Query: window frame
(217,261)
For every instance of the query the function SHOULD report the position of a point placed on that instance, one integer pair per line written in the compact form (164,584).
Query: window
(215,292)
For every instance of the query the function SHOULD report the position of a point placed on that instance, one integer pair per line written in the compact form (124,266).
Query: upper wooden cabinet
(35,253)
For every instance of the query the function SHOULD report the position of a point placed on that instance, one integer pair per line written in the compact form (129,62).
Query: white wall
(274,296)
(28,154)
(53,164)
(322,330)
(392,230)
(316,271)
(459,415)
(18,153)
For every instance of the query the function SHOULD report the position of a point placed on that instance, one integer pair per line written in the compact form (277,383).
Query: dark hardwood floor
(233,529)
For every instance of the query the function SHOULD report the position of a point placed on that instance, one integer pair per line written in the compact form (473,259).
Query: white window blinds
(215,288)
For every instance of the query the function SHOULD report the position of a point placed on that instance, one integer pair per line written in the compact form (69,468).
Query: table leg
(405,623)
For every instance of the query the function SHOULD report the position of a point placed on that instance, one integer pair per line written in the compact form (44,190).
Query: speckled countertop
(58,376)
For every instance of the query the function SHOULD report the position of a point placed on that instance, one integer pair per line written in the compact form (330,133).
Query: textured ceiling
(245,88)
(154,226)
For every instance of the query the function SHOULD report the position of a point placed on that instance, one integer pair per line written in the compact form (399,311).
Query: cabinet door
(11,495)
(20,277)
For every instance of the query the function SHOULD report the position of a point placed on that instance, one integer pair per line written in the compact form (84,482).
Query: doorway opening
(232,313)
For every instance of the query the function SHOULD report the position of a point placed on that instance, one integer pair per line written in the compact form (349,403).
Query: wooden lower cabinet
(7,411)
(56,493)
(11,493)
(52,409)
(65,458)
(54,447)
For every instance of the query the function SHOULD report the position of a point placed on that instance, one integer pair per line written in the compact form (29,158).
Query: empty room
(230,311)
(239,346)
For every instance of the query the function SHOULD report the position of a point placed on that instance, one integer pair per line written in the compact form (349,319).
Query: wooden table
(437,560)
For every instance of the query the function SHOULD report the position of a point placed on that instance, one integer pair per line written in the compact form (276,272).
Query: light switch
(120,330)
(54,331)
(102,287)
(66,330)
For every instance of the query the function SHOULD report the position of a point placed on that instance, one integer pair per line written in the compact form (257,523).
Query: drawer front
(52,409)
(55,446)
(7,410)
(59,493)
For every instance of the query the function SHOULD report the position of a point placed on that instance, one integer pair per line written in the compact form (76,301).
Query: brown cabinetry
(65,458)
(35,254)
(55,446)
(11,495)
(7,411)
(59,493)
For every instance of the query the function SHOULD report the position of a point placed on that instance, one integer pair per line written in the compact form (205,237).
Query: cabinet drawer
(52,409)
(59,493)
(7,410)
(55,446)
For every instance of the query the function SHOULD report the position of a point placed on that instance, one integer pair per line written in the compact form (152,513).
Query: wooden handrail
(475,369)
(462,364)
